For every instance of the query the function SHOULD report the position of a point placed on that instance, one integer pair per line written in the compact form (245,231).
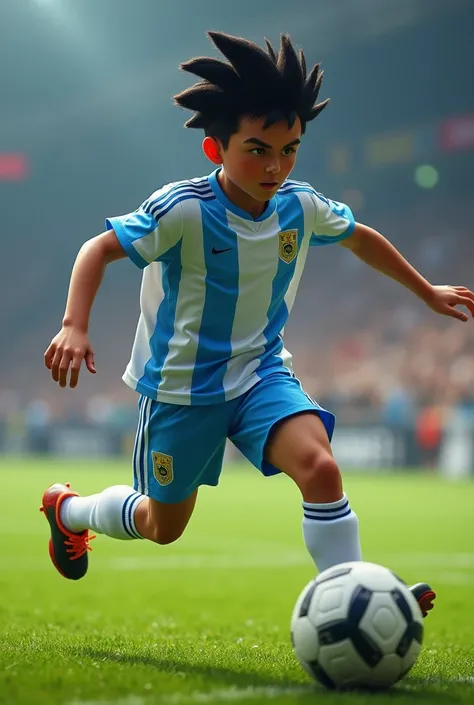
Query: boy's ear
(211,149)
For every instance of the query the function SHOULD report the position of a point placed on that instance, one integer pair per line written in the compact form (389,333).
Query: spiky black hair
(253,82)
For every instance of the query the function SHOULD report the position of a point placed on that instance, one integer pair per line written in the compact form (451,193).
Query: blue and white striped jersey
(218,285)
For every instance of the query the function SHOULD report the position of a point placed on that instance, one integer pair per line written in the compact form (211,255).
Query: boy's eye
(260,150)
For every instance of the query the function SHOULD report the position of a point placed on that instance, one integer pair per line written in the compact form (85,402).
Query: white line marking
(457,560)
(131,700)
(236,694)
(187,562)
(447,569)
(436,680)
(233,694)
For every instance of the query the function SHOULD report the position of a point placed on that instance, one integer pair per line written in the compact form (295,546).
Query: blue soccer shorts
(177,448)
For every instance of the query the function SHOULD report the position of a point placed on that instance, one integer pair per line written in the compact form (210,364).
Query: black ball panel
(413,632)
(336,573)
(320,675)
(304,609)
(402,605)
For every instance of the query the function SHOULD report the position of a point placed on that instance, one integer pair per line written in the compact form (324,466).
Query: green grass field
(206,620)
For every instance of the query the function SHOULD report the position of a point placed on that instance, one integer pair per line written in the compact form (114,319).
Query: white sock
(331,533)
(111,512)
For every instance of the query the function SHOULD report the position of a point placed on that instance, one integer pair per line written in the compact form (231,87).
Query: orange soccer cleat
(67,549)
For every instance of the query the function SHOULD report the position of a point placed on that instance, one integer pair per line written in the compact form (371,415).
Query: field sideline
(206,620)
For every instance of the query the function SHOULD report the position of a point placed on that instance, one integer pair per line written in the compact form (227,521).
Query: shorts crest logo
(162,467)
(288,245)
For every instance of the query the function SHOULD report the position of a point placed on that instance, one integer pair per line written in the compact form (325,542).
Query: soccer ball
(357,625)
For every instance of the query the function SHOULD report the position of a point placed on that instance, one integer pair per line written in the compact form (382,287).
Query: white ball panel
(383,622)
(375,577)
(343,664)
(331,600)
(305,639)
(386,672)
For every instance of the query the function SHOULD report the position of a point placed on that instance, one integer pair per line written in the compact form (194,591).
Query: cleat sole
(426,601)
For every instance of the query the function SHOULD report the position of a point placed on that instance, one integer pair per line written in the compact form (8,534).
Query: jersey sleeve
(151,231)
(333,221)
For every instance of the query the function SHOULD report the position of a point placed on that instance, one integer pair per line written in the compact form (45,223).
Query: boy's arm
(87,275)
(71,345)
(374,249)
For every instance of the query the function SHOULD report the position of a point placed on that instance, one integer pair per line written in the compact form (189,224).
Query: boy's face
(257,161)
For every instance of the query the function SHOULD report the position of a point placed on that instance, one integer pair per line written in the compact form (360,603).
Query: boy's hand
(444,300)
(67,351)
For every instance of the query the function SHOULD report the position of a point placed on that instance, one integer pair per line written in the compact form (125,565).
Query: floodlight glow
(426,176)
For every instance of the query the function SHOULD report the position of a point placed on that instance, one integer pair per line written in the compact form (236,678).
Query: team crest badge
(288,245)
(162,467)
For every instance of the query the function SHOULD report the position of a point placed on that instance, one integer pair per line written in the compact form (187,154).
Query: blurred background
(88,130)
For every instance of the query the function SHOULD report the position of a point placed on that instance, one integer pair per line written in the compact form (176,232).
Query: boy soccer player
(222,257)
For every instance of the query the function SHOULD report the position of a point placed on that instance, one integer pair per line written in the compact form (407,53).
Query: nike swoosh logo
(219,252)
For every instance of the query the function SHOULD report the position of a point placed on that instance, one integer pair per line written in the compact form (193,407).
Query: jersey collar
(220,195)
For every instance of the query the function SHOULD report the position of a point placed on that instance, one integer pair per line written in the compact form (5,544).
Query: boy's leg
(176,450)
(119,512)
(164,523)
(278,427)
(299,446)
(122,513)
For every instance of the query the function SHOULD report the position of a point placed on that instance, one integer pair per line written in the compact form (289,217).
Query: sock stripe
(326,517)
(124,514)
(131,521)
(325,510)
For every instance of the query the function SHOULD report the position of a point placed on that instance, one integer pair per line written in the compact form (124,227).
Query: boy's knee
(164,536)
(318,476)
